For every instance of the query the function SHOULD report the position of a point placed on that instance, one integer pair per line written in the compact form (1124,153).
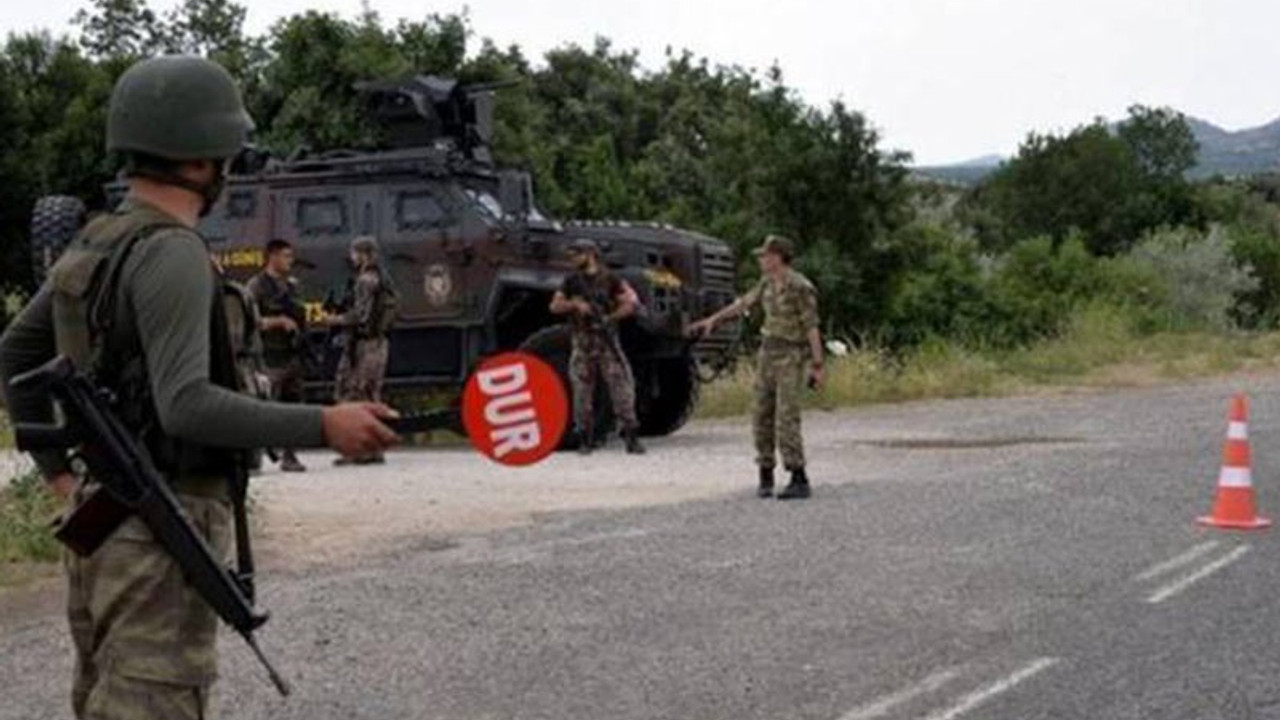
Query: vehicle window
(418,210)
(317,216)
(487,202)
(241,204)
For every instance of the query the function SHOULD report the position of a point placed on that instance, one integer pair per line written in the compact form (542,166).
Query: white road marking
(1181,584)
(1185,558)
(881,706)
(982,695)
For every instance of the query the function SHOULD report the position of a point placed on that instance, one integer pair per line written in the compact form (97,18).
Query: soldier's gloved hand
(63,486)
(355,428)
(816,377)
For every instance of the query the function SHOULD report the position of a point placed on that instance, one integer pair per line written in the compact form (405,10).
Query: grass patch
(6,432)
(1098,349)
(26,507)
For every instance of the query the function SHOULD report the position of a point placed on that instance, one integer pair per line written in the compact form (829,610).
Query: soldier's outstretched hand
(355,429)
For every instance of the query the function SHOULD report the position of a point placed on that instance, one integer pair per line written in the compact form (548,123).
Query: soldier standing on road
(134,302)
(790,344)
(369,313)
(597,300)
(283,324)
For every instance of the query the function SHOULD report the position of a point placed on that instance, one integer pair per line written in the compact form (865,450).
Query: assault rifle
(127,483)
(412,423)
(597,322)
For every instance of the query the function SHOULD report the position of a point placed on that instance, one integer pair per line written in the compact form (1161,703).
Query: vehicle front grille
(717,268)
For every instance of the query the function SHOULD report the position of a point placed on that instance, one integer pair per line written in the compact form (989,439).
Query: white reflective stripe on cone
(1238,431)
(1235,477)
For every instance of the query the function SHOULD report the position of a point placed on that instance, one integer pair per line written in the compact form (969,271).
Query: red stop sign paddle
(515,409)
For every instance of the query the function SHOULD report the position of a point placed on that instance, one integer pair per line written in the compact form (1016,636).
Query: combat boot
(633,442)
(798,488)
(766,483)
(290,463)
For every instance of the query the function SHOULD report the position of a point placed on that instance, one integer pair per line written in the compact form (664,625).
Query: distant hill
(1222,152)
(1244,152)
(968,172)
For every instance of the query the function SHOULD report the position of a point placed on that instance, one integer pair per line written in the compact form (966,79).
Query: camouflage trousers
(144,640)
(593,358)
(286,380)
(361,370)
(780,378)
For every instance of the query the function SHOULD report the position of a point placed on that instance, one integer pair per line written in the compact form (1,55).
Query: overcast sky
(947,80)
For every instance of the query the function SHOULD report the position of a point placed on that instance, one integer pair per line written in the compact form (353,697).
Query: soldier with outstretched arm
(790,351)
(133,303)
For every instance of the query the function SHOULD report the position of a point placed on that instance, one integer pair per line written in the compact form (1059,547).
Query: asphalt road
(1014,559)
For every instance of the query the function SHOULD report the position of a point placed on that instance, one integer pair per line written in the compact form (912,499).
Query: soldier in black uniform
(283,326)
(596,300)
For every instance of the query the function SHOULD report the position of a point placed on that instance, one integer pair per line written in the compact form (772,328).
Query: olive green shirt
(169,289)
(790,307)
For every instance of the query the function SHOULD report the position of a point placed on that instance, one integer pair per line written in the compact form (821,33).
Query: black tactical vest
(96,330)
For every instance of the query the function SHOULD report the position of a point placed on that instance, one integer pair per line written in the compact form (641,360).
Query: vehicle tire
(553,345)
(55,220)
(670,394)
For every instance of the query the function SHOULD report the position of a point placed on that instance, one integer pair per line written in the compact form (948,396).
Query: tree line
(730,151)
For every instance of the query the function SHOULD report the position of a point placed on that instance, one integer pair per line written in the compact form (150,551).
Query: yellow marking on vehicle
(243,258)
(315,312)
(663,278)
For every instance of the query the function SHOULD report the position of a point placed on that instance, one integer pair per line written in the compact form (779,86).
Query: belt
(777,343)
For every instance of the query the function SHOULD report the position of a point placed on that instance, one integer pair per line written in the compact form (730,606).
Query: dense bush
(1198,278)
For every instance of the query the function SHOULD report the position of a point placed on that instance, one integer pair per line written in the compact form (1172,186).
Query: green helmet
(366,244)
(177,107)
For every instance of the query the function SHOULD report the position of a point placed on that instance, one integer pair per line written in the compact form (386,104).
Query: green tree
(1161,142)
(1112,186)
(119,29)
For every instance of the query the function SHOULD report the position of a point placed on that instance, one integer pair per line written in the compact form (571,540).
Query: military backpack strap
(84,283)
(223,371)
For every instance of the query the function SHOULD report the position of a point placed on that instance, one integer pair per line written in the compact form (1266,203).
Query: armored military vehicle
(472,258)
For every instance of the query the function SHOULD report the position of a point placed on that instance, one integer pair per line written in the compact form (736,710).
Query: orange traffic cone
(1234,506)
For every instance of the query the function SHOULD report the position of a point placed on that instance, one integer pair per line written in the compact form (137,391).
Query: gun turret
(429,111)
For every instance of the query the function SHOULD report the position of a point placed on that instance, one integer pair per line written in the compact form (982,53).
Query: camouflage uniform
(597,354)
(144,640)
(134,302)
(282,350)
(364,357)
(790,313)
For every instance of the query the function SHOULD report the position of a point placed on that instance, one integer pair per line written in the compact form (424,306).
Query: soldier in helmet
(596,300)
(370,313)
(790,350)
(134,302)
(283,325)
